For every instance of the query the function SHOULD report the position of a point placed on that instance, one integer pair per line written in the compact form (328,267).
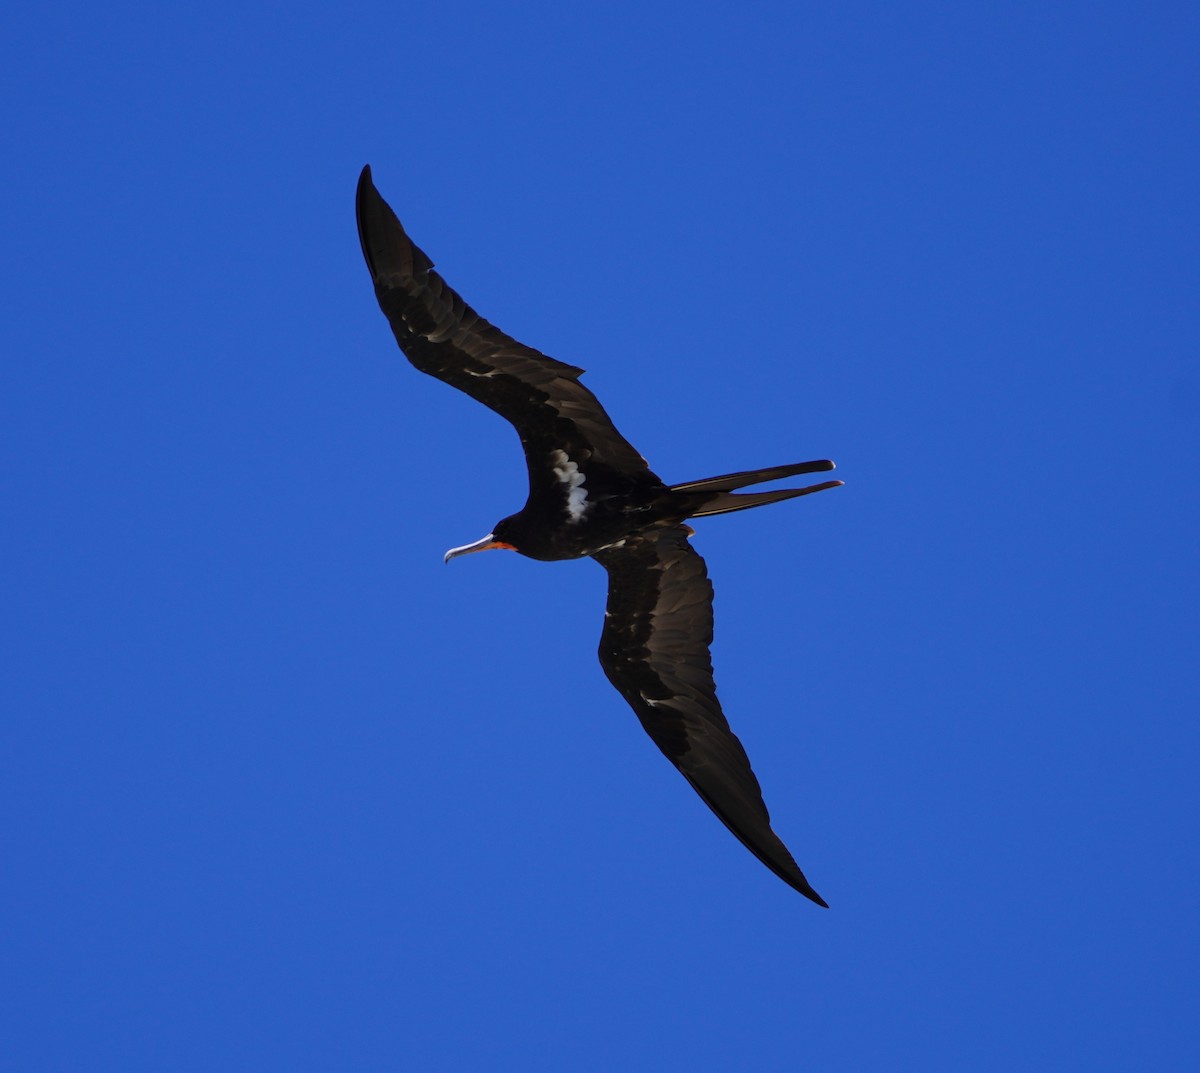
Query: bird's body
(592,494)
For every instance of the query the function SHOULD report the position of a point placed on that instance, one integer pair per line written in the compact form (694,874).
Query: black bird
(591,493)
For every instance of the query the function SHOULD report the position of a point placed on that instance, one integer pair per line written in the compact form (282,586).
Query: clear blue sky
(280,791)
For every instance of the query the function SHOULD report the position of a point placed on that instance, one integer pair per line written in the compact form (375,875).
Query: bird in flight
(592,494)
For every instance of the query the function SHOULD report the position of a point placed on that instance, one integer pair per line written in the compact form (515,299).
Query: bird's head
(503,536)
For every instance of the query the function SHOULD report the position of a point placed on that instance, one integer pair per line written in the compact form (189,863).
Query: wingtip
(386,247)
(363,204)
(797,881)
(366,187)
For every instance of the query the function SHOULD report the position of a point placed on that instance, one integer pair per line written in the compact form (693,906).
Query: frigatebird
(592,494)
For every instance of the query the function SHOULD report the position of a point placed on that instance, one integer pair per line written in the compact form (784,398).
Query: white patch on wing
(568,474)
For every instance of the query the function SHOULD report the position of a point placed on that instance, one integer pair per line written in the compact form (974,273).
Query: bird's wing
(655,650)
(446,338)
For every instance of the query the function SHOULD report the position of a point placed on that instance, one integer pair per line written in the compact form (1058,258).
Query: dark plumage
(592,494)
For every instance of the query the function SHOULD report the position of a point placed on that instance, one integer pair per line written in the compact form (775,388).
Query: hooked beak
(480,545)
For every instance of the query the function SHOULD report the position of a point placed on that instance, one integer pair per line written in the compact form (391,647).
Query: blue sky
(281,791)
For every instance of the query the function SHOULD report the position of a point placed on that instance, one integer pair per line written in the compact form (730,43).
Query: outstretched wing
(446,338)
(655,650)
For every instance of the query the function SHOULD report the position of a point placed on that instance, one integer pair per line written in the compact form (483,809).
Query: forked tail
(724,500)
